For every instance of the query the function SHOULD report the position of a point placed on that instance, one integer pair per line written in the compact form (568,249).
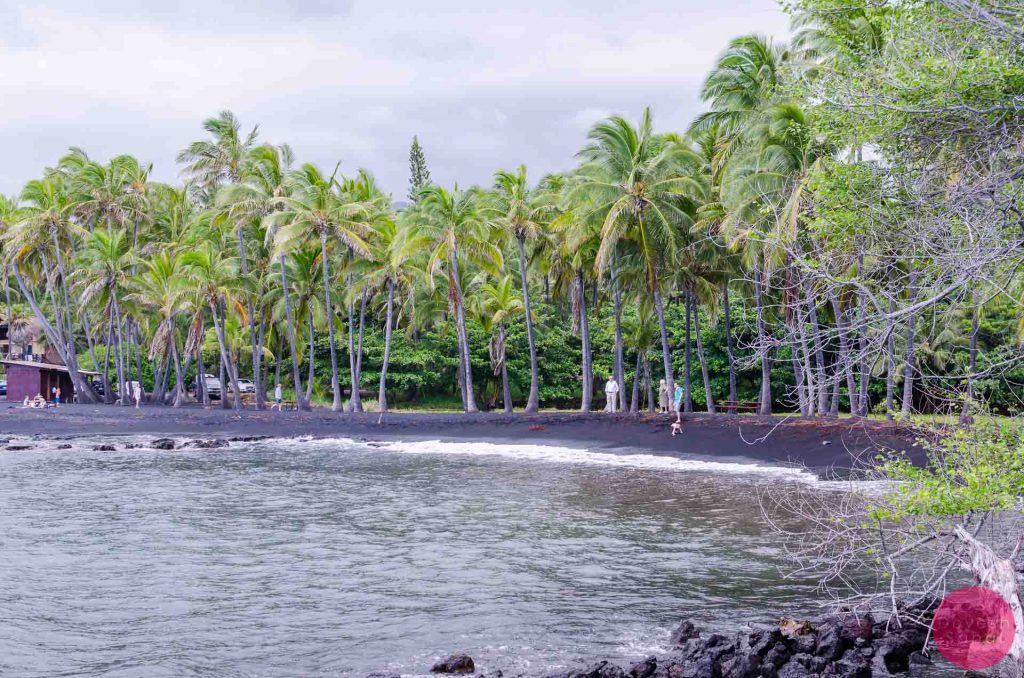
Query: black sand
(817,444)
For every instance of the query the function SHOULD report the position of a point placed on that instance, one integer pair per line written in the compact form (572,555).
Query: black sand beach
(817,444)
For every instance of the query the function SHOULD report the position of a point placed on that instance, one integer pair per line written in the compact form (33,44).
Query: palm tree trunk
(225,362)
(357,401)
(666,355)
(290,322)
(82,387)
(588,368)
(619,367)
(312,359)
(118,356)
(202,394)
(337,405)
(728,343)
(709,400)
(10,315)
(179,383)
(460,316)
(506,390)
(634,405)
(908,369)
(533,399)
(257,353)
(762,339)
(688,357)
(382,398)
(650,385)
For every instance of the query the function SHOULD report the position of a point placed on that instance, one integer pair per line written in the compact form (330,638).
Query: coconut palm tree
(221,159)
(316,210)
(40,238)
(215,276)
(162,288)
(454,223)
(498,303)
(520,212)
(644,187)
(394,244)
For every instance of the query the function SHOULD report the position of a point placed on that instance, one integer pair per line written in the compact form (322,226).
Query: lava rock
(103,448)
(855,627)
(132,446)
(741,666)
(162,444)
(208,444)
(777,656)
(705,667)
(247,439)
(892,653)
(16,448)
(456,663)
(64,446)
(793,669)
(644,668)
(829,645)
(684,632)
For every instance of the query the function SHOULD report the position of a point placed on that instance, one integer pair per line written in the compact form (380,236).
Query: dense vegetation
(840,230)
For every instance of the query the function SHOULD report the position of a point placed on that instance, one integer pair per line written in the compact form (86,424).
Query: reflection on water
(330,557)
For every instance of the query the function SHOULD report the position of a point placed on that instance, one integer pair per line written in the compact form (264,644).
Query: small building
(28,378)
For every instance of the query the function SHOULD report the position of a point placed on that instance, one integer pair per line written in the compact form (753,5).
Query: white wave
(554,454)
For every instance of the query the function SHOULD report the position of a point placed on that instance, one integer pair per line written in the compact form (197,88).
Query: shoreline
(823,446)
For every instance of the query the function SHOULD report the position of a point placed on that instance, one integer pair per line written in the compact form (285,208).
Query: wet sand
(821,445)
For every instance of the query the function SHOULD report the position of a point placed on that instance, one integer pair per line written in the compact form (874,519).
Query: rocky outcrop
(846,645)
(207,444)
(162,444)
(454,664)
(103,448)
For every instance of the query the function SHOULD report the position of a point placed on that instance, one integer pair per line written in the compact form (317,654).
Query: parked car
(3,387)
(246,386)
(213,387)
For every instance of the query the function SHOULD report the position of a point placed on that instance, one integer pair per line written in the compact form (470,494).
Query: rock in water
(163,444)
(209,444)
(103,448)
(684,632)
(456,663)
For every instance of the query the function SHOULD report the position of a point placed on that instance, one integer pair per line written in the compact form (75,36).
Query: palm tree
(393,244)
(216,279)
(222,159)
(499,303)
(644,187)
(520,213)
(161,287)
(453,222)
(40,237)
(317,210)
(363,190)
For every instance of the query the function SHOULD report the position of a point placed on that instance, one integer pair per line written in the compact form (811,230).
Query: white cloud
(484,85)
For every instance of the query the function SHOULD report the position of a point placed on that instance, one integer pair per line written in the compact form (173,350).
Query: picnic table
(734,406)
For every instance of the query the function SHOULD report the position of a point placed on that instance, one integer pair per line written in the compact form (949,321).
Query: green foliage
(971,470)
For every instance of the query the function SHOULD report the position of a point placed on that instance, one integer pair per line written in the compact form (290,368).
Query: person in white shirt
(611,392)
(137,393)
(278,397)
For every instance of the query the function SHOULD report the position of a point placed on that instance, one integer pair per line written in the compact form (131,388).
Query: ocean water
(334,557)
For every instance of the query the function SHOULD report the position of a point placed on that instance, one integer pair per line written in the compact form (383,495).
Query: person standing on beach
(611,392)
(137,392)
(663,396)
(278,397)
(56,396)
(678,399)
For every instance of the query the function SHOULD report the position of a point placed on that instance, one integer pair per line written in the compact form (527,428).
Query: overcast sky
(484,84)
